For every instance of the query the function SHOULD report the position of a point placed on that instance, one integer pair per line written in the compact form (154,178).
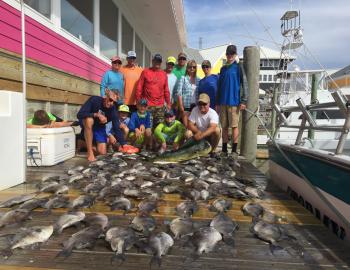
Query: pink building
(69,43)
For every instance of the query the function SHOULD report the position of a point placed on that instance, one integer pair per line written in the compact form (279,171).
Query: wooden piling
(249,133)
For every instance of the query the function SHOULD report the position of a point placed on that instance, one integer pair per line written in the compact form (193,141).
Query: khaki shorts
(229,116)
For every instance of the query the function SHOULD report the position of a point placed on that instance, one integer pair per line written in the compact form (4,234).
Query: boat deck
(322,250)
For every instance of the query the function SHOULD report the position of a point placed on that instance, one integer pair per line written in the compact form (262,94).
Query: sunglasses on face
(182,58)
(117,63)
(111,100)
(192,67)
(205,67)
(132,58)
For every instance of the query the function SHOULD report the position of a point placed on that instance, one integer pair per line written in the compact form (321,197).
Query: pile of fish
(135,185)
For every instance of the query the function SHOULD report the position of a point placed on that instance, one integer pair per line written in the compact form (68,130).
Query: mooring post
(251,56)
(314,88)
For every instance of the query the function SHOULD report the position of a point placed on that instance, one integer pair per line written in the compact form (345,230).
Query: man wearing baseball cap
(93,116)
(132,73)
(172,79)
(232,96)
(113,80)
(153,87)
(204,122)
(180,69)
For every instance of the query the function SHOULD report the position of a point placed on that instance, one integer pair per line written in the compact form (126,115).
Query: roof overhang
(162,22)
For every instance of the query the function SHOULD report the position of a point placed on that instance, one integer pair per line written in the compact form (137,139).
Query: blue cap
(143,102)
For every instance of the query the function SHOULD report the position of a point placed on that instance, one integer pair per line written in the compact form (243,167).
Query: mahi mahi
(190,150)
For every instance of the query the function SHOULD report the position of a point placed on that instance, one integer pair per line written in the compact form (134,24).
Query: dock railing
(309,123)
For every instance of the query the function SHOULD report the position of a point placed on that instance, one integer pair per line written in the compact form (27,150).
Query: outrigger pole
(24,90)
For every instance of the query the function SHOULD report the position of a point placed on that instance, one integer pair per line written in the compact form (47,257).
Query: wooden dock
(322,249)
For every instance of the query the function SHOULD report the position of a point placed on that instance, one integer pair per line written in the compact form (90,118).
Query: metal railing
(309,123)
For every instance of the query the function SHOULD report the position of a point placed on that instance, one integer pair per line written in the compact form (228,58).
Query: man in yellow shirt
(132,73)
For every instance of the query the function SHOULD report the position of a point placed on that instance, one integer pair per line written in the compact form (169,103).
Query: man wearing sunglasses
(132,73)
(232,96)
(204,123)
(180,68)
(93,117)
(114,79)
(153,87)
(209,84)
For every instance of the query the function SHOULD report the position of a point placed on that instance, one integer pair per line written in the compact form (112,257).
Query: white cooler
(49,146)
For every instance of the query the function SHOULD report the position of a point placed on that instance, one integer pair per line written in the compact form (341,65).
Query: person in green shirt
(169,131)
(43,119)
(180,68)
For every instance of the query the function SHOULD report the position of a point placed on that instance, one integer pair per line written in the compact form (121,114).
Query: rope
(295,167)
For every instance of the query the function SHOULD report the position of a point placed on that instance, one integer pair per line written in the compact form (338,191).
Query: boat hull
(327,174)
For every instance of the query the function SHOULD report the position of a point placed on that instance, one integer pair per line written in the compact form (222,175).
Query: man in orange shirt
(132,73)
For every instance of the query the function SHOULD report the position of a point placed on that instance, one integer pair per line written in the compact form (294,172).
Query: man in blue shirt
(114,80)
(209,84)
(230,98)
(93,116)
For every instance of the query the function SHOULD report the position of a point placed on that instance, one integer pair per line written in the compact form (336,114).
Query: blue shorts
(99,133)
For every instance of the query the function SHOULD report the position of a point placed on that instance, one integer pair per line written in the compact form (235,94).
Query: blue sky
(326,26)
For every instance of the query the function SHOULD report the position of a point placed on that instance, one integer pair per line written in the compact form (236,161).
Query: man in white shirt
(203,122)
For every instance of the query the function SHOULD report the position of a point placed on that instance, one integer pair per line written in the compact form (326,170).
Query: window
(43,7)
(260,78)
(139,49)
(77,18)
(270,78)
(108,28)
(265,78)
(127,36)
(147,58)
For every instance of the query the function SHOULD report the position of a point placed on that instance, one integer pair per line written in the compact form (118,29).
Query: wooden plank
(43,75)
(37,92)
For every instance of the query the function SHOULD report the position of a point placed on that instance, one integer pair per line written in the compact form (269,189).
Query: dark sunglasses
(192,67)
(110,100)
(132,57)
(117,62)
(202,104)
(182,58)
(205,66)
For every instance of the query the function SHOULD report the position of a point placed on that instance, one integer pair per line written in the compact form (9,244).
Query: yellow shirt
(131,76)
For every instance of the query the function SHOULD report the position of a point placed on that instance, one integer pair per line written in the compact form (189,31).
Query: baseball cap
(115,58)
(131,54)
(169,113)
(206,63)
(171,59)
(143,102)
(204,98)
(182,54)
(124,108)
(231,49)
(157,57)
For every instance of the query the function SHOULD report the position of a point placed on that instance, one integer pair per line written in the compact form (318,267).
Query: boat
(309,151)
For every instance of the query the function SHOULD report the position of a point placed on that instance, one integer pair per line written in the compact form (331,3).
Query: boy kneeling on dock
(140,126)
(93,117)
(170,131)
(123,121)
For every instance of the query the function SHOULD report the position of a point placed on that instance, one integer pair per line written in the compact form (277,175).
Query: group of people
(153,108)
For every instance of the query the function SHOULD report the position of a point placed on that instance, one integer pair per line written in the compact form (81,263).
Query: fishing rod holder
(308,121)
